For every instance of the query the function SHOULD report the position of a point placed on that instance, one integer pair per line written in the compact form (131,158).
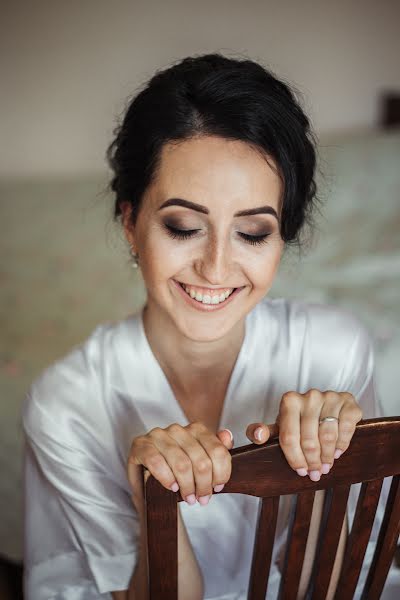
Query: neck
(192,366)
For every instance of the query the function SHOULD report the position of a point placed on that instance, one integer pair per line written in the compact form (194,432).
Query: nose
(214,265)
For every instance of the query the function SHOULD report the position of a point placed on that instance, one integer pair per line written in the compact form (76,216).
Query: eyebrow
(268,210)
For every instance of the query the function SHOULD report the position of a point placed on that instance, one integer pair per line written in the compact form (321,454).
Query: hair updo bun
(236,99)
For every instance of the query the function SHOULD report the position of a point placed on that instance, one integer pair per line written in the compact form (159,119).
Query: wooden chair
(263,471)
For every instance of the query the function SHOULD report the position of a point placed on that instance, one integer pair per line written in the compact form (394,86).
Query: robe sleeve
(81,529)
(357,375)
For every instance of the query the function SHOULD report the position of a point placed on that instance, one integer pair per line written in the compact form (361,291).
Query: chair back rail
(263,471)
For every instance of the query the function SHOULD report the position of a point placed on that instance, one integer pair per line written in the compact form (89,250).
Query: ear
(129,230)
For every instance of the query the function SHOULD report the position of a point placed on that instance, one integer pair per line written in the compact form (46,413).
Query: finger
(328,430)
(144,453)
(273,431)
(181,451)
(309,441)
(258,433)
(226,437)
(289,432)
(219,454)
(328,435)
(211,460)
(137,485)
(350,414)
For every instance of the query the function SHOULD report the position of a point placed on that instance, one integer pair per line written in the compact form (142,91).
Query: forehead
(209,167)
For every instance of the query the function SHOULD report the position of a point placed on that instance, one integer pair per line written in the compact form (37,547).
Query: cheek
(162,259)
(264,269)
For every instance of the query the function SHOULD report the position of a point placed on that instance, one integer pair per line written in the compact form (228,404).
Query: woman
(214,168)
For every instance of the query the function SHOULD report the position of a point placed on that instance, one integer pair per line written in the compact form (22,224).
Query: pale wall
(67,67)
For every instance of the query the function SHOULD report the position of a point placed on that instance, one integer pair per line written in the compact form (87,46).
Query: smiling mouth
(207,296)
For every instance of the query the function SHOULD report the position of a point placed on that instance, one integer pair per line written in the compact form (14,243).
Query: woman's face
(210,222)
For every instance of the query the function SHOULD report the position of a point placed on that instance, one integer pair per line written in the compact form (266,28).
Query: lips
(206,306)
(207,295)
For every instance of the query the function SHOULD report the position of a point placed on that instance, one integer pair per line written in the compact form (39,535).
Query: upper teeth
(207,298)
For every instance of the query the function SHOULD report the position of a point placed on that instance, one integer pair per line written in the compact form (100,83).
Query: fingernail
(219,487)
(302,472)
(191,499)
(203,500)
(338,453)
(314,475)
(258,433)
(326,467)
(174,487)
(230,433)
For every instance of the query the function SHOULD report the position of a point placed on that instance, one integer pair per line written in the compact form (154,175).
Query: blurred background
(67,72)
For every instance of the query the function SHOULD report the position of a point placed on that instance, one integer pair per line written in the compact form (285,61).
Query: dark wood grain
(272,475)
(296,545)
(11,580)
(263,471)
(386,544)
(263,546)
(358,539)
(334,511)
(162,540)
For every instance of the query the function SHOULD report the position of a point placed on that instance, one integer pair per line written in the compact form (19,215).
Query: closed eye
(255,240)
(184,234)
(181,234)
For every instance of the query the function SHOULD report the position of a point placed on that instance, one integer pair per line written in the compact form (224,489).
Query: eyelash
(254,240)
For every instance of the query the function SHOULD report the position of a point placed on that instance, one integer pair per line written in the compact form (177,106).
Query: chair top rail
(374,453)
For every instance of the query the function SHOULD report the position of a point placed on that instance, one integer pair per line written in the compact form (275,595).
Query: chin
(203,337)
(197,330)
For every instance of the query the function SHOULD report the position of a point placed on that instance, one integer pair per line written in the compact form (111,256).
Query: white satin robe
(82,413)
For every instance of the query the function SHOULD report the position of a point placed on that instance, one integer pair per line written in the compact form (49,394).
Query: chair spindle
(263,545)
(358,539)
(334,512)
(162,540)
(296,545)
(386,544)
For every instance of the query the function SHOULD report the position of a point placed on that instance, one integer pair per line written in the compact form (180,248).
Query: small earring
(135,258)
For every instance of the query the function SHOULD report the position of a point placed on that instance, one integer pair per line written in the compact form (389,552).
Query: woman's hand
(310,447)
(191,459)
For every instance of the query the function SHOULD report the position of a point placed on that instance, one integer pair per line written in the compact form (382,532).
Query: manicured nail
(314,475)
(302,472)
(203,500)
(230,433)
(326,467)
(338,453)
(219,487)
(174,487)
(258,433)
(191,499)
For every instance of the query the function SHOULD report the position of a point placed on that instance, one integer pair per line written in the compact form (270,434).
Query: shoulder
(73,384)
(317,323)
(323,346)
